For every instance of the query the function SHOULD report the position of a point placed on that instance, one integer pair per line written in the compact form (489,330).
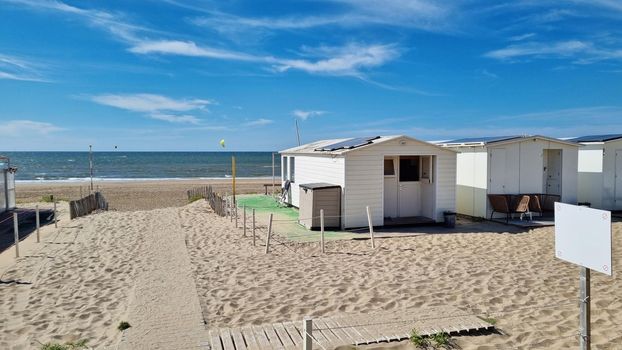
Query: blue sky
(181,74)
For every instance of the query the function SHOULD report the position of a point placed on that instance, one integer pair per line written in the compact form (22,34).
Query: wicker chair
(508,205)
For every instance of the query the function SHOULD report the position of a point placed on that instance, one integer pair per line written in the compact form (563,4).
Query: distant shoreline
(79,181)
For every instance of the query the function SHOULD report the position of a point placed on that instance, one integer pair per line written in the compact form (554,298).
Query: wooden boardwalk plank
(238,339)
(282,333)
(337,330)
(249,336)
(273,337)
(227,341)
(293,332)
(261,338)
(357,337)
(327,333)
(214,337)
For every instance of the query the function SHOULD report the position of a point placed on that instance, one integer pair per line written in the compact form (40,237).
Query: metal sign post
(590,251)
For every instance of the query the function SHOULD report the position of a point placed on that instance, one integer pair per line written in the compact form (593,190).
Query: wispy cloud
(185,119)
(16,68)
(27,127)
(522,37)
(582,52)
(259,122)
(595,114)
(304,115)
(149,102)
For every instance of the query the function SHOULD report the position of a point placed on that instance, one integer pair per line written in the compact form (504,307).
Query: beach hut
(403,180)
(7,185)
(600,171)
(513,165)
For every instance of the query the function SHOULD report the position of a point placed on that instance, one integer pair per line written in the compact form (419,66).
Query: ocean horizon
(68,166)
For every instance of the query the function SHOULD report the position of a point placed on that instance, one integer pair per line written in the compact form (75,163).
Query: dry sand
(135,195)
(166,270)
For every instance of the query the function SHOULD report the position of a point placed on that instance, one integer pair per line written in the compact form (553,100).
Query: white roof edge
(512,140)
(309,148)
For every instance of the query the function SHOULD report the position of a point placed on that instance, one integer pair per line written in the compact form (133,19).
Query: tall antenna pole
(297,132)
(91,165)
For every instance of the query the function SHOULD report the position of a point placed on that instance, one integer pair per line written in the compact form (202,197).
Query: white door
(409,190)
(390,187)
(497,171)
(618,180)
(554,171)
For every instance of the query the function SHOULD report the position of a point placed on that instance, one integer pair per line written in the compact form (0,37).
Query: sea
(128,166)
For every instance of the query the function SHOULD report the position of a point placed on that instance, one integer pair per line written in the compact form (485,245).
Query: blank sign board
(583,236)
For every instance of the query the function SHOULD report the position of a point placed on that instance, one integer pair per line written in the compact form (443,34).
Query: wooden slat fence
(216,201)
(87,205)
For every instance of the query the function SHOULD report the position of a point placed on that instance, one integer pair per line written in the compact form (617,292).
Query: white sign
(583,236)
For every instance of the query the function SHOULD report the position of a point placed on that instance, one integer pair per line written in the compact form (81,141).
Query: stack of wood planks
(87,205)
(217,202)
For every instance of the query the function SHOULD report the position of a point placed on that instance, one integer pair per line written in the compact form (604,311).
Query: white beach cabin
(402,180)
(7,185)
(512,165)
(600,171)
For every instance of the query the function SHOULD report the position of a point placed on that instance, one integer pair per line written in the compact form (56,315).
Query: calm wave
(111,166)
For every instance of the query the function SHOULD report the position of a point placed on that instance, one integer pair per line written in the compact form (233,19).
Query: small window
(292,169)
(389,168)
(284,168)
(409,168)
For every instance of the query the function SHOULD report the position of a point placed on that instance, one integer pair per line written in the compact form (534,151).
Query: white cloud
(15,68)
(345,60)
(582,52)
(304,115)
(189,48)
(259,122)
(149,102)
(522,37)
(185,119)
(14,128)
(595,114)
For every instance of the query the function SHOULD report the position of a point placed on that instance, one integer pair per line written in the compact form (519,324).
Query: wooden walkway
(329,332)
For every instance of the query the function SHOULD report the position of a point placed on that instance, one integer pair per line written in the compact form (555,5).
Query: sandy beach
(173,273)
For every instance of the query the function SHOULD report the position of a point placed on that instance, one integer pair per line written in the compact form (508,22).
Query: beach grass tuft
(123,325)
(80,344)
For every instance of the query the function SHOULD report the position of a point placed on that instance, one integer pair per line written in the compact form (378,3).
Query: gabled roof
(596,138)
(496,140)
(342,146)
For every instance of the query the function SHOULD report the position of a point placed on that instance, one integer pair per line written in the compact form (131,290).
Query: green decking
(285,219)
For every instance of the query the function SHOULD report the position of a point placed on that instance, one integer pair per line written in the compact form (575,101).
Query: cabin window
(389,168)
(409,168)
(292,169)
(284,168)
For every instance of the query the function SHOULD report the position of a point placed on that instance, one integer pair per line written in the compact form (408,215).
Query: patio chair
(502,203)
(535,205)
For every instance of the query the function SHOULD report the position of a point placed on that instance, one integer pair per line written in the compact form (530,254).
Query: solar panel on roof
(597,138)
(483,139)
(349,144)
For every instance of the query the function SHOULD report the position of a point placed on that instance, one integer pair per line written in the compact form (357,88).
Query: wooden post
(322,229)
(91,165)
(55,217)
(16,234)
(244,219)
(273,175)
(233,177)
(307,327)
(235,212)
(371,228)
(584,318)
(37,223)
(253,227)
(269,234)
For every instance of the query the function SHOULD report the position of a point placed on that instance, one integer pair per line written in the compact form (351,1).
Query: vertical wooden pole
(371,228)
(585,340)
(273,175)
(307,326)
(244,219)
(269,234)
(253,226)
(55,216)
(91,165)
(233,176)
(37,223)
(322,229)
(16,234)
(235,211)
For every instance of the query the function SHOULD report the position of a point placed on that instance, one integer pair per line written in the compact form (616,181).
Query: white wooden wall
(472,181)
(590,176)
(365,180)
(612,195)
(313,169)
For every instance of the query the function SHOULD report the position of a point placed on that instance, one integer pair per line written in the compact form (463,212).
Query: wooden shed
(7,185)
(401,179)
(600,171)
(512,165)
(320,196)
